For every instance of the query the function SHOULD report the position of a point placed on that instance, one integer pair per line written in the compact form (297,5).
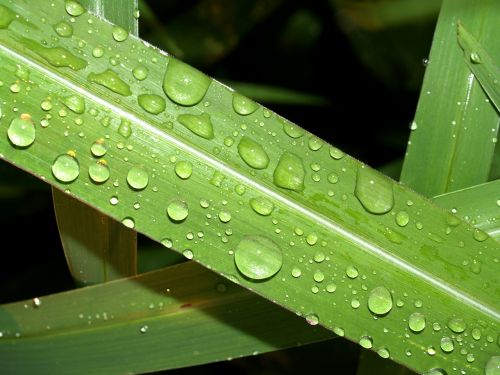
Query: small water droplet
(140,72)
(144,329)
(374,191)
(262,206)
(63,29)
(476,333)
(257,257)
(292,130)
(333,178)
(119,34)
(66,168)
(416,322)
(312,239)
(312,319)
(457,325)
(110,80)
(183,169)
(446,344)
(137,178)
(366,342)
(253,153)
(98,51)
(290,172)
(128,222)
(243,105)
(224,216)
(37,302)
(384,353)
(480,235)
(331,287)
(188,254)
(74,8)
(380,300)
(21,131)
(318,276)
(177,210)
(151,103)
(198,124)
(352,272)
(75,103)
(98,148)
(183,84)
(296,272)
(475,58)
(402,218)
(99,172)
(336,154)
(315,143)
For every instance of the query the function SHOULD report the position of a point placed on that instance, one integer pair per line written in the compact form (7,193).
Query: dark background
(363,71)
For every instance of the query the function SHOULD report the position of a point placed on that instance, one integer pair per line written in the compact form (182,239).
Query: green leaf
(453,115)
(335,254)
(179,316)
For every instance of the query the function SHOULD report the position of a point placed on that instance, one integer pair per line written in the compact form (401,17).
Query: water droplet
(253,153)
(74,8)
(183,84)
(75,103)
(137,178)
(21,131)
(331,287)
(333,178)
(257,257)
(312,319)
(384,353)
(446,344)
(125,128)
(366,342)
(380,300)
(336,154)
(119,34)
(480,235)
(319,257)
(431,351)
(99,172)
(296,272)
(37,302)
(111,81)
(457,325)
(470,358)
(128,222)
(144,329)
(151,103)
(243,105)
(262,206)
(188,254)
(393,236)
(177,210)
(63,29)
(315,143)
(184,169)
(416,322)
(98,51)
(292,130)
(476,334)
(290,172)
(225,216)
(352,272)
(56,56)
(198,124)
(475,58)
(6,17)
(217,179)
(492,366)
(435,371)
(318,276)
(402,218)
(66,168)
(140,72)
(312,239)
(98,149)
(374,191)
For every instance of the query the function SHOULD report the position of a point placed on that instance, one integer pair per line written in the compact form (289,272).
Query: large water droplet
(177,210)
(66,168)
(119,34)
(257,257)
(312,319)
(56,56)
(493,366)
(262,206)
(315,143)
(336,154)
(6,17)
(198,124)
(446,344)
(21,131)
(374,191)
(151,103)
(243,105)
(183,84)
(99,172)
(253,153)
(402,218)
(137,178)
(184,169)
(457,325)
(384,353)
(74,8)
(480,235)
(129,222)
(290,172)
(380,300)
(416,322)
(292,130)
(188,254)
(75,103)
(63,29)
(352,272)
(111,81)
(140,72)
(366,342)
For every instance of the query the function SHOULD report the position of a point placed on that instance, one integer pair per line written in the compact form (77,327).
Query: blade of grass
(97,248)
(201,196)
(179,316)
(453,116)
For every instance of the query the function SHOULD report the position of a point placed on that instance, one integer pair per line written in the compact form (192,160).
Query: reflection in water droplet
(99,172)
(243,105)
(198,124)
(184,169)
(380,300)
(128,222)
(177,210)
(137,178)
(290,172)
(416,322)
(21,131)
(111,81)
(312,319)
(75,103)
(253,153)
(183,84)
(366,342)
(66,168)
(257,257)
(262,206)
(151,103)
(374,191)
(144,329)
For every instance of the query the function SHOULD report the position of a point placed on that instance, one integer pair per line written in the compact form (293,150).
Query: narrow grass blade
(245,192)
(453,114)
(481,64)
(97,248)
(179,316)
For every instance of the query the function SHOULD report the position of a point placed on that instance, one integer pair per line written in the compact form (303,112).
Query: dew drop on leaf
(74,8)
(383,353)
(380,300)
(98,148)
(198,124)
(119,34)
(253,153)
(402,218)
(243,105)
(416,322)
(289,173)
(63,29)
(110,80)
(493,366)
(137,178)
(374,191)
(6,17)
(75,103)
(140,72)
(66,168)
(312,319)
(292,130)
(188,254)
(224,216)
(257,257)
(99,172)
(446,344)
(315,143)
(183,84)
(21,131)
(336,154)
(262,206)
(366,342)
(351,272)
(129,222)
(457,325)
(177,210)
(151,103)
(183,169)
